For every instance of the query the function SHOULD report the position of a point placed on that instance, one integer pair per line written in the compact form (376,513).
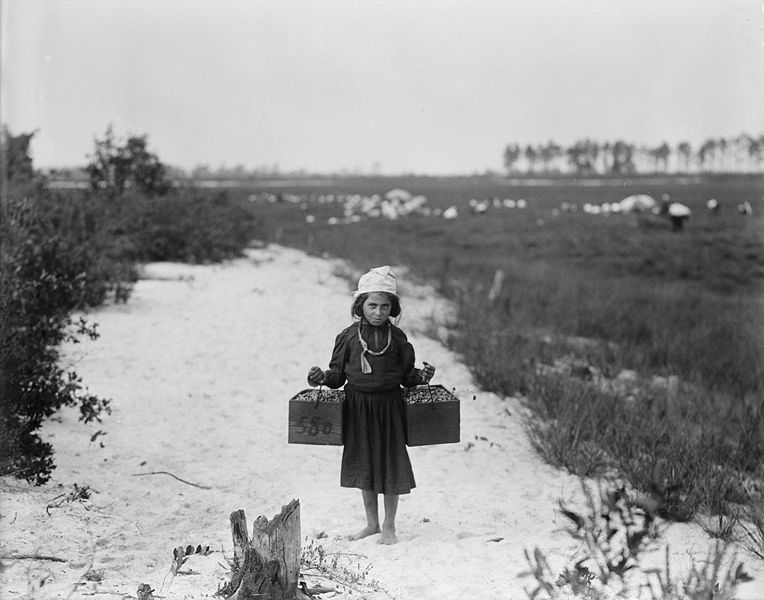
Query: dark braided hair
(356,311)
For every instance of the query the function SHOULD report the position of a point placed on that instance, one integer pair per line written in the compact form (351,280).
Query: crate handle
(429,392)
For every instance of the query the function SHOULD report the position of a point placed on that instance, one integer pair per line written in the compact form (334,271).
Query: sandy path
(200,365)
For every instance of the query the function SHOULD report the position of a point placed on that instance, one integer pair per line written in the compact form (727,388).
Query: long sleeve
(411,375)
(335,376)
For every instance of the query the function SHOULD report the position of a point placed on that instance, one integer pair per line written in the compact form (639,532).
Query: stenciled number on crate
(314,425)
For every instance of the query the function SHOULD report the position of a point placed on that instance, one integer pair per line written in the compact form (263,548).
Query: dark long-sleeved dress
(374,457)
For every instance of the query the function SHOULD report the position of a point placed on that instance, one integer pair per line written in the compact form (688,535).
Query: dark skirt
(374,457)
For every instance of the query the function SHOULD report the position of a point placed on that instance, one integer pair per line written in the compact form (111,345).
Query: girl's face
(376,308)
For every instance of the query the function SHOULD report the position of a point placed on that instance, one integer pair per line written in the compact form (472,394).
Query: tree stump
(267,566)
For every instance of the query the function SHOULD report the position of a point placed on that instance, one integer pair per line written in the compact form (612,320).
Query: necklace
(365,366)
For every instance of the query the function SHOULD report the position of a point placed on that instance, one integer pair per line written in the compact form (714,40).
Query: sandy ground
(200,365)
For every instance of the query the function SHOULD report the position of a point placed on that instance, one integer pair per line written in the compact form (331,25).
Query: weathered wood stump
(267,566)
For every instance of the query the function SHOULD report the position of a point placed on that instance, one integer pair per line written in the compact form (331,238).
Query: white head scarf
(379,279)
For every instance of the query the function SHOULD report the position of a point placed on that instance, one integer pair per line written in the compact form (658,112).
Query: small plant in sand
(339,568)
(616,533)
(77,494)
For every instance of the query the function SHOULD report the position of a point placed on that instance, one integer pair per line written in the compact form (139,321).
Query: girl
(376,359)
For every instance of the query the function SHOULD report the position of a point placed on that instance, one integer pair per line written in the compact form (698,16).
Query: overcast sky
(425,86)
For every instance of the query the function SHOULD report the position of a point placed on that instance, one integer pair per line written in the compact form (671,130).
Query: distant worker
(665,204)
(678,213)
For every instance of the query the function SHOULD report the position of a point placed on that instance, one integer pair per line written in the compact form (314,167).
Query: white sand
(200,365)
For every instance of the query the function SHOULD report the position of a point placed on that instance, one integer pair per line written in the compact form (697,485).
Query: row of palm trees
(741,154)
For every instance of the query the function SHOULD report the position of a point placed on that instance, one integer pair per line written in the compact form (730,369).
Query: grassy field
(638,348)
(673,302)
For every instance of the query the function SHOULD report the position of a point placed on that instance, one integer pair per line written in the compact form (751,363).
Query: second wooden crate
(432,415)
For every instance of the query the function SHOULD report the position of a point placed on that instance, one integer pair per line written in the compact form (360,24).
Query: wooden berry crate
(432,415)
(315,417)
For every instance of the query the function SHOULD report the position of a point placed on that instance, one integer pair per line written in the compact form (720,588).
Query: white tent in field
(677,209)
(399,194)
(638,203)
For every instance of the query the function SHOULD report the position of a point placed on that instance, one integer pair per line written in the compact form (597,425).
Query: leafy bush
(616,532)
(186,226)
(16,160)
(114,168)
(46,271)
(43,278)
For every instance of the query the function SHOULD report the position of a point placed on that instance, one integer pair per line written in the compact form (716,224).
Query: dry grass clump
(618,530)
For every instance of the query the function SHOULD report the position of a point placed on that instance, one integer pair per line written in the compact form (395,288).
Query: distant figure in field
(678,213)
(713,206)
(663,210)
(745,208)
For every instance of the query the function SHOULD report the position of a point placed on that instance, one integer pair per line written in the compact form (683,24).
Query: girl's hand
(315,376)
(427,372)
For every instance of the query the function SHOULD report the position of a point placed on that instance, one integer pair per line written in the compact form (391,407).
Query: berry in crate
(320,395)
(427,393)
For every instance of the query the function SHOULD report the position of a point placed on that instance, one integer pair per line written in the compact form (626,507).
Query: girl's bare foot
(388,536)
(365,532)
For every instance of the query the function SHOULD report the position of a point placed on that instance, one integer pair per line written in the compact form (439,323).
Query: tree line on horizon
(740,154)
(115,160)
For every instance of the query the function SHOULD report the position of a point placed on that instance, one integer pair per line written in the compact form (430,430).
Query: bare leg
(388,525)
(370,505)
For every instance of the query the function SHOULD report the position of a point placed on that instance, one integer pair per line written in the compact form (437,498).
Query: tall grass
(658,328)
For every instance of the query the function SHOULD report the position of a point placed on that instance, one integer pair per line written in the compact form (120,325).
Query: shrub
(16,160)
(114,168)
(616,532)
(186,226)
(43,278)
